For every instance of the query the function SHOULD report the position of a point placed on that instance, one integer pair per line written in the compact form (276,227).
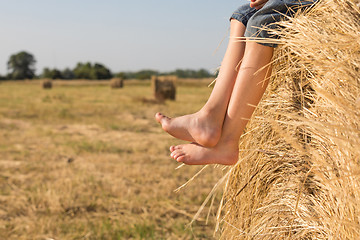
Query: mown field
(84,161)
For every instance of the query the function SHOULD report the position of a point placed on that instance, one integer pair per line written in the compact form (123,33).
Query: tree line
(22,66)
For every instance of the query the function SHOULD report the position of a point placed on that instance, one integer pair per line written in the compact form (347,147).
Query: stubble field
(84,161)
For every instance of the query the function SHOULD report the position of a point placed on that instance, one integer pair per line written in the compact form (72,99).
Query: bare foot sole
(193,128)
(195,154)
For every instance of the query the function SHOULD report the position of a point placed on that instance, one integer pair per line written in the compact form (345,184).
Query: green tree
(145,74)
(51,73)
(22,65)
(122,75)
(68,74)
(99,71)
(203,73)
(89,71)
(188,73)
(82,71)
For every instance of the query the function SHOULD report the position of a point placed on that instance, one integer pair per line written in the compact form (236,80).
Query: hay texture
(47,84)
(298,175)
(117,83)
(164,87)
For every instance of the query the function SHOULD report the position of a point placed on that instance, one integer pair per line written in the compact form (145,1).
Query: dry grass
(298,176)
(81,161)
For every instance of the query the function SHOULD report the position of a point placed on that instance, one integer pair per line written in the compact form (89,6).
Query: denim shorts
(260,22)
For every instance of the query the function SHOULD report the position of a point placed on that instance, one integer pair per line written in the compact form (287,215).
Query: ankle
(230,144)
(229,153)
(232,152)
(212,114)
(206,112)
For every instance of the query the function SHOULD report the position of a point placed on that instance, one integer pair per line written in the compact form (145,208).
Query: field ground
(83,161)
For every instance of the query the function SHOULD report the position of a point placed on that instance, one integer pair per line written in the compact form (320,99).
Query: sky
(131,35)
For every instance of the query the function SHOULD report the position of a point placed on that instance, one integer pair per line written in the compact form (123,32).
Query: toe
(181,158)
(177,153)
(172,154)
(163,120)
(158,117)
(173,148)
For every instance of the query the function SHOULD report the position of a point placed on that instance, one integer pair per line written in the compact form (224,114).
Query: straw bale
(47,84)
(117,83)
(164,87)
(298,175)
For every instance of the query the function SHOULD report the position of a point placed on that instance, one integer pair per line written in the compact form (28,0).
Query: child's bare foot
(195,154)
(198,127)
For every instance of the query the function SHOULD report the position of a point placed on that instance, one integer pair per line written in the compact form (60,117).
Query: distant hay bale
(117,83)
(47,84)
(298,175)
(164,87)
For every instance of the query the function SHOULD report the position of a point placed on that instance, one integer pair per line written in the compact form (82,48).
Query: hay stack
(117,83)
(164,87)
(47,84)
(298,176)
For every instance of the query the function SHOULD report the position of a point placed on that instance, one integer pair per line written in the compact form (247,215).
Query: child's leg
(204,126)
(250,85)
